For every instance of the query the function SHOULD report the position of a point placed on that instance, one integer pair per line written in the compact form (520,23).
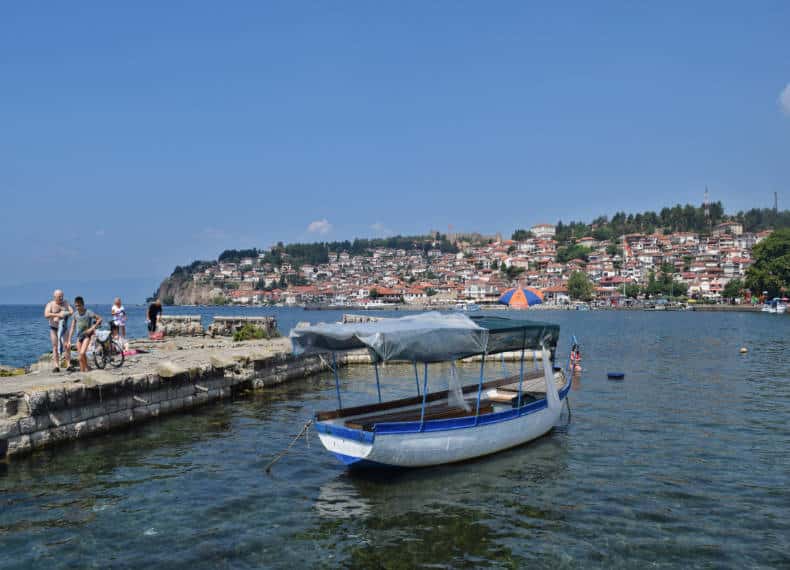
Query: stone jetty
(42,408)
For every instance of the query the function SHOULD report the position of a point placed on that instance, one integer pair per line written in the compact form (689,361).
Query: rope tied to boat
(305,429)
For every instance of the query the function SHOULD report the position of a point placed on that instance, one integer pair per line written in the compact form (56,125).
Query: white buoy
(744,350)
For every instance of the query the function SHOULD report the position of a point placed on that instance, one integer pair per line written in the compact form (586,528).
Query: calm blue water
(684,464)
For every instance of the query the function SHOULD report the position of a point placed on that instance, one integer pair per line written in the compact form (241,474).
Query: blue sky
(136,137)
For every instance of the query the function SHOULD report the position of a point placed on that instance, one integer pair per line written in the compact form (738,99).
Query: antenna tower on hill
(706,204)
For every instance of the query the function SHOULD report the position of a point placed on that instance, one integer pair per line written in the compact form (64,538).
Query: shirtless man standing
(56,311)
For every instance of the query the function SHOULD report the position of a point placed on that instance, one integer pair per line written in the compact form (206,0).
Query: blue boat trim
(358,463)
(437,425)
(460,423)
(346,459)
(563,392)
(344,432)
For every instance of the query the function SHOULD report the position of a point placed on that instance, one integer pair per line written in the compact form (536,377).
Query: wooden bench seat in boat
(440,411)
(503,396)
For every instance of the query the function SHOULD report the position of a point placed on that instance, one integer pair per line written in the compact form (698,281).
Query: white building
(543,230)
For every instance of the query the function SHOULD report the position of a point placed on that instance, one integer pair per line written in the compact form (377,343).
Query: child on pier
(119,320)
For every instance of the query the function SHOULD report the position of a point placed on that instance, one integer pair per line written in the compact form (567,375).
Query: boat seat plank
(511,397)
(502,398)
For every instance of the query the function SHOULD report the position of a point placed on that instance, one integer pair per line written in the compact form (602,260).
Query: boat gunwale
(395,428)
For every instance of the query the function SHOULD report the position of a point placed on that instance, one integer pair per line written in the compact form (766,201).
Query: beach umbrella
(521,297)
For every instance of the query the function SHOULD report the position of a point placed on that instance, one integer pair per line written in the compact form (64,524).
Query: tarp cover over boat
(428,337)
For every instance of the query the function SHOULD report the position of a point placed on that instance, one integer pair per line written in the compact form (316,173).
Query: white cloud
(320,227)
(784,100)
(381,229)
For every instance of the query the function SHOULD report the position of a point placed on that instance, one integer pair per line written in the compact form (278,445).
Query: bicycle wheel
(116,354)
(99,356)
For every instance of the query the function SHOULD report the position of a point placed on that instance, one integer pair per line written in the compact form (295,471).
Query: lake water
(683,464)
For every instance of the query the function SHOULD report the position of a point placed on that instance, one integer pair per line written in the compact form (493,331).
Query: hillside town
(478,269)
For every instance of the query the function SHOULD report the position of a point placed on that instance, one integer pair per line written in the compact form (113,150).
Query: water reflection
(458,515)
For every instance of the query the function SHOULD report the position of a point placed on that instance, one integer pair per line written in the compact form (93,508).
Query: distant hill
(678,218)
(180,288)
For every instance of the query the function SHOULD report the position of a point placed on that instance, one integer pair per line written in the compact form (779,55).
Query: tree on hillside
(665,284)
(758,219)
(565,254)
(771,269)
(579,286)
(521,235)
(513,272)
(633,290)
(733,289)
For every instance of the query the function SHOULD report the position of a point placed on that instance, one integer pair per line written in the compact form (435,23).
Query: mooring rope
(324,361)
(280,455)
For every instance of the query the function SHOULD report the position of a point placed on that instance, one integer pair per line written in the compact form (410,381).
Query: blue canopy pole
(480,387)
(378,386)
(417,377)
(424,394)
(337,382)
(521,372)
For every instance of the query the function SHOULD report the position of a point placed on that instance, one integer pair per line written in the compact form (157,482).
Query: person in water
(119,319)
(84,323)
(576,358)
(57,312)
(152,316)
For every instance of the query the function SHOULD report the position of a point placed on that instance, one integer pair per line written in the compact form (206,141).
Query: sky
(135,137)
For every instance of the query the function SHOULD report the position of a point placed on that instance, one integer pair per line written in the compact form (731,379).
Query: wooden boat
(460,423)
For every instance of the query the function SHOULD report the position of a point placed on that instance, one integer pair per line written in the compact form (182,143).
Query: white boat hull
(447,441)
(437,448)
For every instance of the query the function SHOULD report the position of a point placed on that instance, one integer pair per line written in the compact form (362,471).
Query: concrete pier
(41,409)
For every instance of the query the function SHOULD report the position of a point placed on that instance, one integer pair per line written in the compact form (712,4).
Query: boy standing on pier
(85,323)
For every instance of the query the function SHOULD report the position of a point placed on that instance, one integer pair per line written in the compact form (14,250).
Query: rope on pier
(280,455)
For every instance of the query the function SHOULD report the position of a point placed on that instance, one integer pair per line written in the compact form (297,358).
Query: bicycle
(108,349)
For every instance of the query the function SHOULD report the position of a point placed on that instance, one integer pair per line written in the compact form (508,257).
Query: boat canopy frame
(430,337)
